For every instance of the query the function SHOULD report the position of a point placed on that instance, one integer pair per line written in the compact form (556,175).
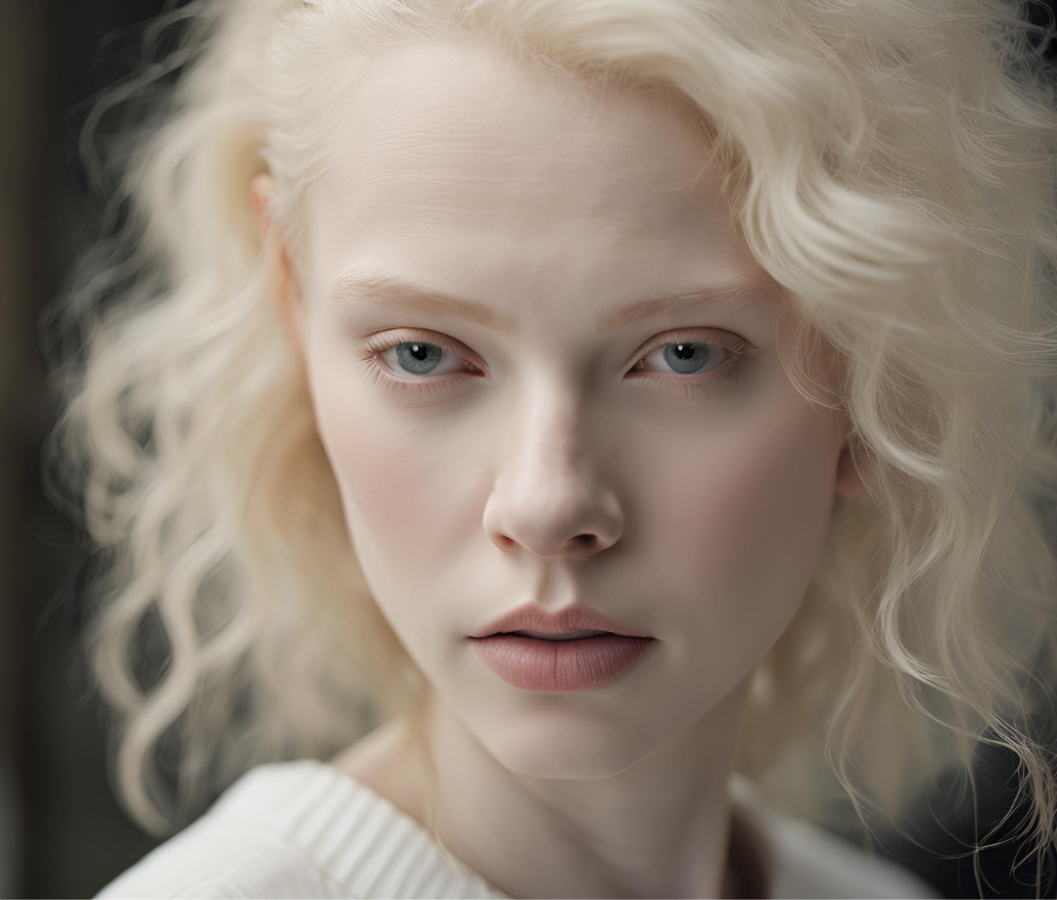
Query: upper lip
(562,621)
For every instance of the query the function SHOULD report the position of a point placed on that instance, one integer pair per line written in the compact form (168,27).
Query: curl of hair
(889,162)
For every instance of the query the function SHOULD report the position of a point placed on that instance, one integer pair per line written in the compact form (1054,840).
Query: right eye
(406,358)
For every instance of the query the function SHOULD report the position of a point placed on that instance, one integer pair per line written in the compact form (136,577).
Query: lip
(558,667)
(572,618)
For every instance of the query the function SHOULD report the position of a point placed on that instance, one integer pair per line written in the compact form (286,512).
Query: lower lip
(534,664)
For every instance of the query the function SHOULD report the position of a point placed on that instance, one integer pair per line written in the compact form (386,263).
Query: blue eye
(418,357)
(682,353)
(687,359)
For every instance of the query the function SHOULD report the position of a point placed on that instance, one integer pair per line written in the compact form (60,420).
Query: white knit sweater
(304,829)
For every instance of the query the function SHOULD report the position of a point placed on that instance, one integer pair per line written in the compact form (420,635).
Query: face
(470,457)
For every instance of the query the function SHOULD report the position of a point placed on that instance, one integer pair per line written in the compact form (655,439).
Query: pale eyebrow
(392,293)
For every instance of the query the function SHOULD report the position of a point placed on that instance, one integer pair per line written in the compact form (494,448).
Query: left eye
(686,357)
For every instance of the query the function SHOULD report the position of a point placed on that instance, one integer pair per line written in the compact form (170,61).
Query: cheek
(397,507)
(751,513)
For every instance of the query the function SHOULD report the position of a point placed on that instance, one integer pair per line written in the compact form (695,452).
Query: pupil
(417,349)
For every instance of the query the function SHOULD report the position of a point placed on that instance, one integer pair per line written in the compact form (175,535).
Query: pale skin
(466,172)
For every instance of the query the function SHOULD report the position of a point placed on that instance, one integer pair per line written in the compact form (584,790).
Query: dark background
(61,832)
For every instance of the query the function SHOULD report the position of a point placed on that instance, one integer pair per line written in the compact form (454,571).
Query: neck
(487,813)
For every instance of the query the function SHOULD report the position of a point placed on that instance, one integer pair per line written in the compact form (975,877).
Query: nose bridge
(550,458)
(549,491)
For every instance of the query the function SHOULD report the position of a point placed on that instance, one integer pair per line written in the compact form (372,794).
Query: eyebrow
(393,293)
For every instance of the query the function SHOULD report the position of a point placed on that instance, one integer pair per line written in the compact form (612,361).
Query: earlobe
(261,188)
(260,193)
(853,470)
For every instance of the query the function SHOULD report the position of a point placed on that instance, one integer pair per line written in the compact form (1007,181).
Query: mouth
(571,623)
(569,636)
(559,663)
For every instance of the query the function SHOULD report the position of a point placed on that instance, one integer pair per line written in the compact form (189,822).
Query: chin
(564,743)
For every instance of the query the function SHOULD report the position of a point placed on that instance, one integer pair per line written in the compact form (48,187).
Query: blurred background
(61,832)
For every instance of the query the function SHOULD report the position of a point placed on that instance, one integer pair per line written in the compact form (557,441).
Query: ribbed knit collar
(365,843)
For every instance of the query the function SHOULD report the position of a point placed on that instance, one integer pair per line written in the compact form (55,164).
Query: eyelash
(730,370)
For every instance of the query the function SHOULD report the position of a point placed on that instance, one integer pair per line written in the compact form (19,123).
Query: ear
(287,297)
(853,469)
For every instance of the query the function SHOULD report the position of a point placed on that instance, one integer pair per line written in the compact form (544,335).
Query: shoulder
(299,829)
(818,863)
(245,845)
(217,858)
(804,860)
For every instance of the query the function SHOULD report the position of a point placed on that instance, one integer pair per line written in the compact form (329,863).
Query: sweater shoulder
(804,860)
(225,859)
(300,829)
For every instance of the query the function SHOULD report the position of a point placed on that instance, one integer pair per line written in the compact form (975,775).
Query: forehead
(485,176)
(445,132)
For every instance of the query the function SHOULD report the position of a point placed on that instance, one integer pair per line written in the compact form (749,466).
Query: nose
(550,497)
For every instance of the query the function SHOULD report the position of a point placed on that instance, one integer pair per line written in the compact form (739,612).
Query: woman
(640,409)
